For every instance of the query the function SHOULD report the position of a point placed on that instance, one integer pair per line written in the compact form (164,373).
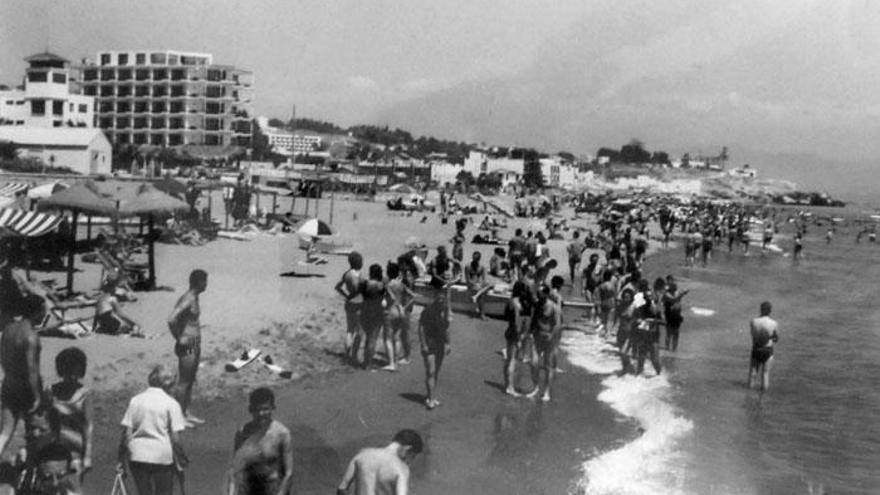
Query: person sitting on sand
(434,341)
(21,391)
(385,470)
(109,317)
(262,460)
(517,313)
(187,332)
(372,312)
(349,287)
(765,333)
(400,300)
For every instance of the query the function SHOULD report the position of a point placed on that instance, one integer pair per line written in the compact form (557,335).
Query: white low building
(83,150)
(445,173)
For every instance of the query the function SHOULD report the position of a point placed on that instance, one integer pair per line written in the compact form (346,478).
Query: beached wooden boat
(460,300)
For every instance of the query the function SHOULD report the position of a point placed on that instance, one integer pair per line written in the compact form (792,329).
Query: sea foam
(650,464)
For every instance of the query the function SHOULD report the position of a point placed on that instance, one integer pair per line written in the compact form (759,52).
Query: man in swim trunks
(434,338)
(382,471)
(20,358)
(576,250)
(349,287)
(545,324)
(765,333)
(475,276)
(262,462)
(516,252)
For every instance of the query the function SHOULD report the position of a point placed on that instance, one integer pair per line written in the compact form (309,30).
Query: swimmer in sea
(765,333)
(382,471)
(262,462)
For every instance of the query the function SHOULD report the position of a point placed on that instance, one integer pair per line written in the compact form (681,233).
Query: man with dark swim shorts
(20,358)
(434,339)
(765,333)
(349,287)
(545,324)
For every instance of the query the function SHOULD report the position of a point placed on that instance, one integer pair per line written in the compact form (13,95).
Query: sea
(700,430)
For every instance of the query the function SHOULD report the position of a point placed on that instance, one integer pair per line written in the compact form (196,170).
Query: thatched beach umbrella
(79,198)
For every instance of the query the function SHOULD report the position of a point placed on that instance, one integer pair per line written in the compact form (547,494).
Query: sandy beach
(479,440)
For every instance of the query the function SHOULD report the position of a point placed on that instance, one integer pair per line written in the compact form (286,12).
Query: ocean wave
(649,464)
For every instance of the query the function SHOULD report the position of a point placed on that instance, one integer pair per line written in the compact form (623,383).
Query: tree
(261,146)
(8,150)
(532,176)
(465,178)
(278,123)
(489,181)
(634,152)
(660,158)
(612,154)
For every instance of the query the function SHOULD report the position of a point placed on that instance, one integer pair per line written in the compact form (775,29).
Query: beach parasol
(45,190)
(403,189)
(172,186)
(314,227)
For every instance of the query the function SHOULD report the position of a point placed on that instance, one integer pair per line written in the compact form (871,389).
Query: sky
(764,78)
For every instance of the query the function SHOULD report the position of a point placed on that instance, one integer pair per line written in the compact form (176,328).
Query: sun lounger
(134,274)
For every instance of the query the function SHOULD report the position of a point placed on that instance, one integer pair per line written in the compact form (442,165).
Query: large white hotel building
(169,98)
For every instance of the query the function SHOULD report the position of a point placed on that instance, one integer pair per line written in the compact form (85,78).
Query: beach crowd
(607,292)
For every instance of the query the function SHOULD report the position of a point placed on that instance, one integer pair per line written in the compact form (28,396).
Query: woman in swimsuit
(400,301)
(518,315)
(186,329)
(109,318)
(372,311)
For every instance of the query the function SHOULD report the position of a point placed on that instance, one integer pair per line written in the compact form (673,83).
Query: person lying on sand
(262,462)
(384,470)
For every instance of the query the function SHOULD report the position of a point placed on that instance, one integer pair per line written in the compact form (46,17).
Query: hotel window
(105,122)
(90,74)
(105,107)
(158,123)
(122,59)
(142,90)
(142,74)
(57,107)
(37,77)
(123,107)
(70,108)
(123,91)
(172,59)
(90,90)
(140,106)
(160,74)
(176,106)
(106,90)
(122,122)
(140,138)
(159,91)
(157,140)
(59,78)
(140,122)
(124,75)
(178,74)
(175,139)
(140,59)
(212,124)
(157,58)
(57,123)
(178,90)
(83,108)
(158,106)
(105,59)
(38,107)
(214,75)
(108,74)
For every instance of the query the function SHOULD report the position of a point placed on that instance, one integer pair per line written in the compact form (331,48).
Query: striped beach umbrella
(27,223)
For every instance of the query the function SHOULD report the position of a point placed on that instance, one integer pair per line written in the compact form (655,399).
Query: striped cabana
(27,223)
(12,188)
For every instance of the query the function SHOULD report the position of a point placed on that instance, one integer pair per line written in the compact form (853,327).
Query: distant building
(445,173)
(745,172)
(288,143)
(480,162)
(49,97)
(170,98)
(83,150)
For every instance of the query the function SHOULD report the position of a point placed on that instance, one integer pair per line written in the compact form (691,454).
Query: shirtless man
(545,325)
(262,462)
(20,358)
(382,471)
(765,333)
(475,276)
(349,287)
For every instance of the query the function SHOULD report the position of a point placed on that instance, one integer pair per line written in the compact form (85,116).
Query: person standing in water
(384,470)
(187,331)
(262,462)
(765,333)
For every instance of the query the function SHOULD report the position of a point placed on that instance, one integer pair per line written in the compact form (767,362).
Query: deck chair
(133,274)
(64,325)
